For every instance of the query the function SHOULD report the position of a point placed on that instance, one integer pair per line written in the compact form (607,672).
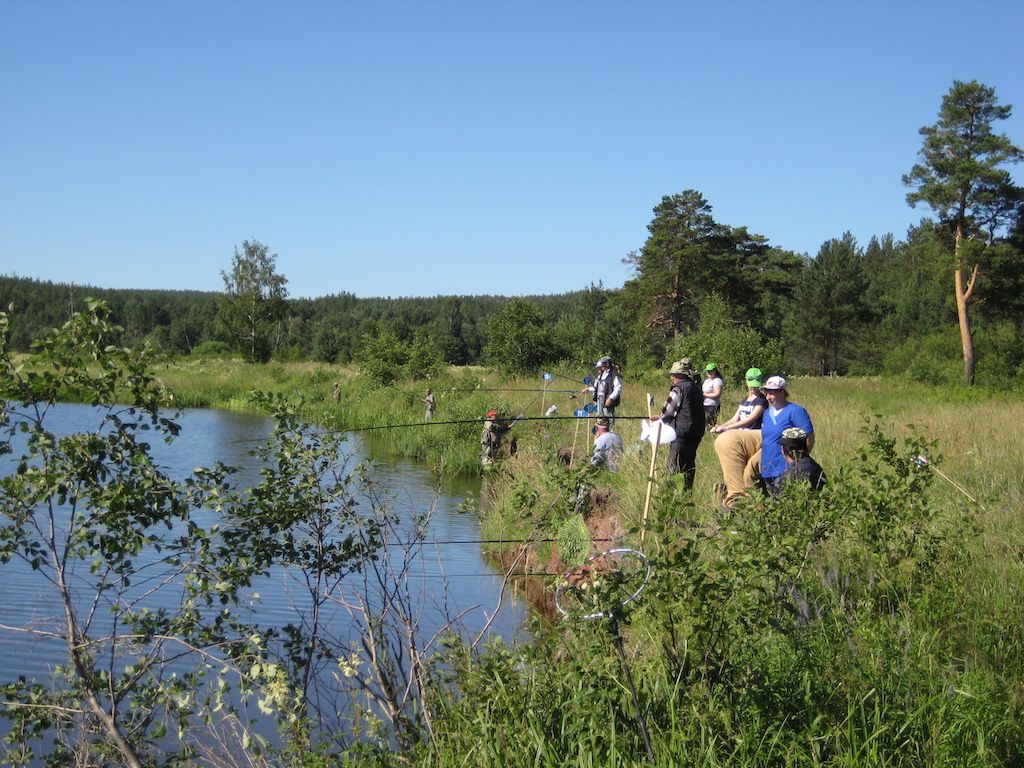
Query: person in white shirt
(712,387)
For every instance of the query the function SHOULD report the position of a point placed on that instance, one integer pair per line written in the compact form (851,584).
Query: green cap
(710,367)
(754,377)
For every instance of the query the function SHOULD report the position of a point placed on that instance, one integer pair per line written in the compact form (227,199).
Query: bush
(212,348)
(733,346)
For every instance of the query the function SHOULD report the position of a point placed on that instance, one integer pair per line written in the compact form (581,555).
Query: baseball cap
(775,382)
(754,377)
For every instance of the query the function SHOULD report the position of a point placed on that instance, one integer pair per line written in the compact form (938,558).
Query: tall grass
(877,624)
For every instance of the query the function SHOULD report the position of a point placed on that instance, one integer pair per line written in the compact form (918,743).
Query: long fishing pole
(504,389)
(477,421)
(922,461)
(412,397)
(568,378)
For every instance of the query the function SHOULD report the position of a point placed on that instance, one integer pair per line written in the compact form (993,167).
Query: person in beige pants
(738,442)
(739,453)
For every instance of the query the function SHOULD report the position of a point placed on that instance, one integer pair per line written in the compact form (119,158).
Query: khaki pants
(739,453)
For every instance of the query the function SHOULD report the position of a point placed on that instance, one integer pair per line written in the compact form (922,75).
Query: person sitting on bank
(607,446)
(800,466)
(490,439)
(738,443)
(780,416)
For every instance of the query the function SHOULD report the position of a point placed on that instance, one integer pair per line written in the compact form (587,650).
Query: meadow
(878,623)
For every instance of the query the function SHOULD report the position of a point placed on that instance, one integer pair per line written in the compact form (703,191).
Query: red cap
(492,414)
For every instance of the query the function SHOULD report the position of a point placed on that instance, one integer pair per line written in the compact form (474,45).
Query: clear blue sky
(424,148)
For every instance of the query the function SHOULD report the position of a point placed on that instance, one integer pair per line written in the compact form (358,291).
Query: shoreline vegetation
(877,625)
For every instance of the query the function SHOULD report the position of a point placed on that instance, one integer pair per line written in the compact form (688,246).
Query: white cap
(775,382)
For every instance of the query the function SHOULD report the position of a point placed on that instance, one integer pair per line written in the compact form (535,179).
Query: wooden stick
(650,473)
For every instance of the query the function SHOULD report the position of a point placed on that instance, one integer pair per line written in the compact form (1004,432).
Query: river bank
(874,624)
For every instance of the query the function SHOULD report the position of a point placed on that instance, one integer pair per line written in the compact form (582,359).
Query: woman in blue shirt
(781,414)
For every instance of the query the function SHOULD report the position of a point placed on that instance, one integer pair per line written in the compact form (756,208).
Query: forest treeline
(886,307)
(943,305)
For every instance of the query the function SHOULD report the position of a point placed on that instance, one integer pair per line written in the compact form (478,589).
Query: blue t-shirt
(773,463)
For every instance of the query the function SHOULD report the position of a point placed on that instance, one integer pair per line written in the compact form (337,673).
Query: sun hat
(711,367)
(681,368)
(603,421)
(793,437)
(776,382)
(754,377)
(603,361)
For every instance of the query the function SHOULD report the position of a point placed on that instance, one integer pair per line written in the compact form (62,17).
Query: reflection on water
(448,576)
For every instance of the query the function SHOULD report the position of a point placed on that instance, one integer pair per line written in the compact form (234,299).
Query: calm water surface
(446,578)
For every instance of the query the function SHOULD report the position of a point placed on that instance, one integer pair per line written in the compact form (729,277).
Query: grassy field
(877,624)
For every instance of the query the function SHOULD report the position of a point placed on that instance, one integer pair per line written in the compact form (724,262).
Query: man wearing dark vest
(684,412)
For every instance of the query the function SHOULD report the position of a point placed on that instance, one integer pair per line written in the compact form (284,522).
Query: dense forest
(944,304)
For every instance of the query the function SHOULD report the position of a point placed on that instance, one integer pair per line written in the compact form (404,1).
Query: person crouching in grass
(800,467)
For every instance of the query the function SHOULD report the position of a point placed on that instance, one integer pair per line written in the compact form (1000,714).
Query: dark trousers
(682,457)
(711,415)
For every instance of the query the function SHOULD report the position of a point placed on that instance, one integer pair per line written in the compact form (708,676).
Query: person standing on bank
(781,415)
(712,389)
(607,446)
(431,404)
(684,412)
(607,388)
(490,438)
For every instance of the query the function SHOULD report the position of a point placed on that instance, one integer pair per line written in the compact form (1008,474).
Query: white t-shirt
(710,385)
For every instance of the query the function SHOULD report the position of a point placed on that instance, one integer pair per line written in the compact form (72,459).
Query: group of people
(766,443)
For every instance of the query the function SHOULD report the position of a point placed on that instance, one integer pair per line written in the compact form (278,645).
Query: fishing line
(505,389)
(374,428)
(481,421)
(477,541)
(577,580)
(567,378)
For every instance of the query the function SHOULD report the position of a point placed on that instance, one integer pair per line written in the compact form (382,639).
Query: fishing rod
(411,397)
(480,421)
(504,389)
(590,414)
(550,375)
(923,462)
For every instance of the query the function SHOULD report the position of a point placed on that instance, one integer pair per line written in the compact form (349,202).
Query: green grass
(910,653)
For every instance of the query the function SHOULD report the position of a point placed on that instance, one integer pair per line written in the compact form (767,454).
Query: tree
(828,305)
(254,298)
(107,531)
(519,338)
(962,178)
(677,262)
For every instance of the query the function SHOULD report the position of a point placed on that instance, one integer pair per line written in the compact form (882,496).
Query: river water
(448,576)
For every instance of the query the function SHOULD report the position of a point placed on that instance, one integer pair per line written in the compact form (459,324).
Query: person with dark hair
(684,412)
(738,443)
(712,388)
(801,467)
